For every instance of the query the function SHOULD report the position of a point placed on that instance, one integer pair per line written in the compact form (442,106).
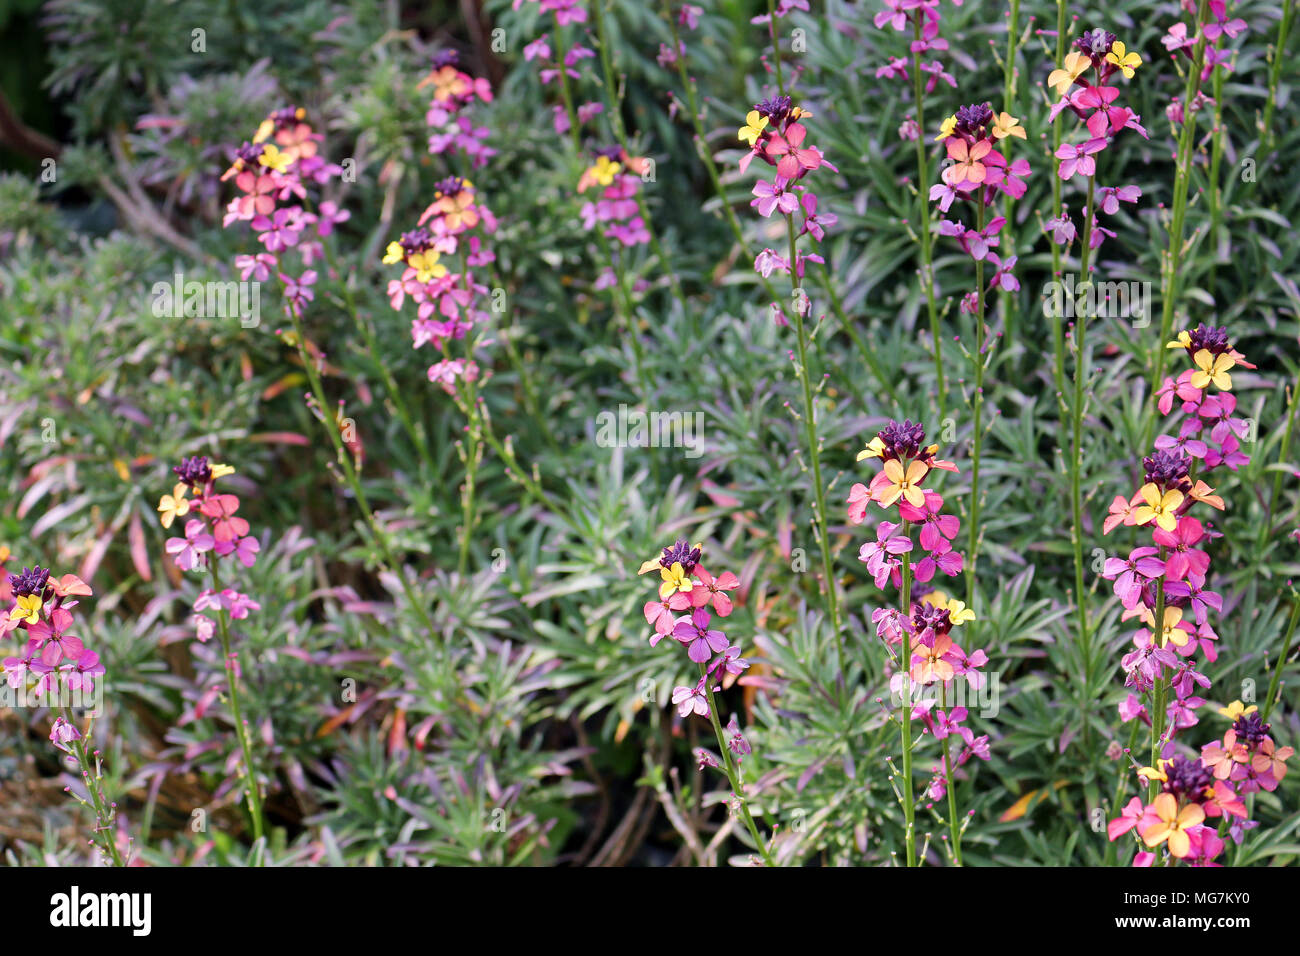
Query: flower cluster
(932,656)
(1178,40)
(921,18)
(1165,585)
(775,133)
(452,128)
(978,171)
(617,211)
(213,530)
(563,69)
(51,659)
(448,304)
(687,592)
(273,173)
(1081,83)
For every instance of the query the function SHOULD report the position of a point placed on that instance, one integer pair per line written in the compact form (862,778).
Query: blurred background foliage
(535,726)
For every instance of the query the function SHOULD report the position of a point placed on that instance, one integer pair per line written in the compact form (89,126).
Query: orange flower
(1172,825)
(905,485)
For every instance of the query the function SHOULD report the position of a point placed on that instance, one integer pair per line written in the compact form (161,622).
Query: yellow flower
(1063,79)
(220,471)
(1212,368)
(1237,710)
(1007,125)
(1184,341)
(394,253)
(28,609)
(958,612)
(947,129)
(174,506)
(427,266)
(264,131)
(1173,825)
(875,449)
(604,171)
(1170,632)
(1155,773)
(272,158)
(1127,62)
(674,579)
(753,128)
(905,485)
(1158,508)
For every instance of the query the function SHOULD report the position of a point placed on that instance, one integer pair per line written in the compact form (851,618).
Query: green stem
(1058,330)
(733,772)
(378,534)
(977,408)
(620,134)
(1158,691)
(1274,78)
(1276,680)
(1008,104)
(105,838)
(905,668)
(241,730)
(1076,445)
(1266,526)
(923,217)
(1182,179)
(800,307)
(954,830)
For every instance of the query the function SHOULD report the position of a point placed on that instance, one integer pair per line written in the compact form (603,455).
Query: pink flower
(691,700)
(186,551)
(1079,158)
(696,636)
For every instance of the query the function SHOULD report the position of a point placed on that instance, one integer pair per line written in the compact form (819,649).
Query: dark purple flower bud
(1251,729)
(1167,471)
(612,153)
(1187,778)
(194,472)
(681,553)
(249,153)
(1210,337)
(445,58)
(934,618)
(971,120)
(902,441)
(417,240)
(27,583)
(776,109)
(452,186)
(1095,43)
(287,117)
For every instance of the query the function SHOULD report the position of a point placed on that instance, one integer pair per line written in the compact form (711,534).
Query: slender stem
(923,218)
(801,307)
(229,659)
(733,772)
(905,668)
(1109,859)
(1182,179)
(1274,78)
(104,815)
(1076,441)
(954,830)
(1058,330)
(977,408)
(620,134)
(1276,680)
(353,480)
(1266,526)
(390,384)
(1158,690)
(1008,104)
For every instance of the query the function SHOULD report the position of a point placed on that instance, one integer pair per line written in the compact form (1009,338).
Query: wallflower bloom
(1127,62)
(1162,509)
(1063,78)
(1171,824)
(904,484)
(1212,369)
